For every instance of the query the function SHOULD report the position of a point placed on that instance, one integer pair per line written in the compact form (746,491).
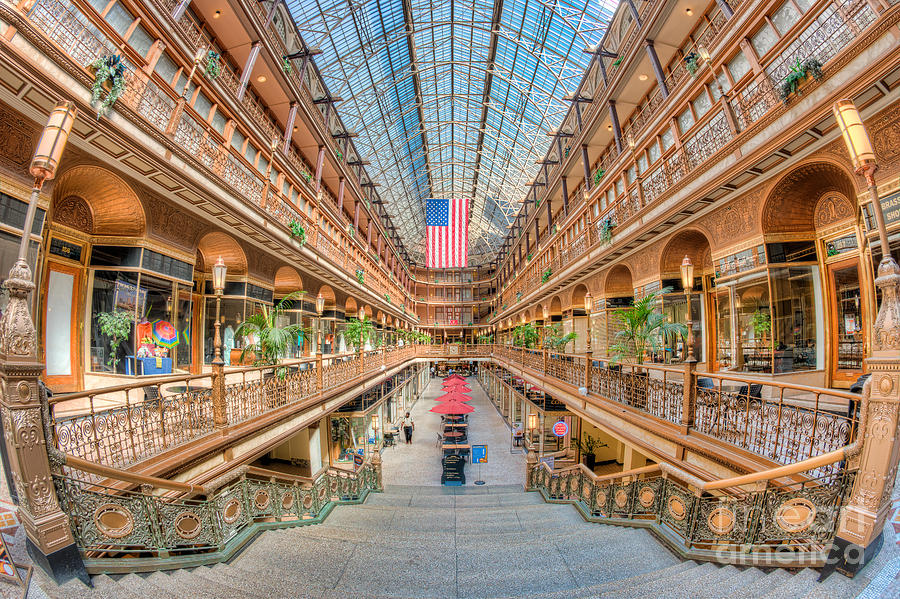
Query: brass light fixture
(219,270)
(588,307)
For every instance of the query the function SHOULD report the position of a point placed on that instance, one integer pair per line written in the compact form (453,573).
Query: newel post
(530,463)
(220,412)
(689,400)
(319,373)
(859,533)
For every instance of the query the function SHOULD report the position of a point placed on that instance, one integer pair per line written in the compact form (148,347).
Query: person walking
(408,425)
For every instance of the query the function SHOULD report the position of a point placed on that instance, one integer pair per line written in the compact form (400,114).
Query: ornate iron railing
(781,421)
(151,416)
(778,521)
(136,525)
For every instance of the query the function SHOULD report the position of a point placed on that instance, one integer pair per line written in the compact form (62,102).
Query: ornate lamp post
(219,270)
(588,306)
(320,308)
(858,536)
(49,539)
(687,282)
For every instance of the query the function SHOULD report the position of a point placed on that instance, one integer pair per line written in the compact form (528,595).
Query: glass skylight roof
(461,107)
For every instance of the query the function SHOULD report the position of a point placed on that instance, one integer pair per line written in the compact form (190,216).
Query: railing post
(588,362)
(220,409)
(546,357)
(319,373)
(690,396)
(530,463)
(877,449)
(25,415)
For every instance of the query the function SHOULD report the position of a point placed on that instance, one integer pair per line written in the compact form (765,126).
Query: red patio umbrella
(454,377)
(453,397)
(456,386)
(452,407)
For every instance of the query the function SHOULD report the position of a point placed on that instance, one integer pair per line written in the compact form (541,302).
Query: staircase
(465,542)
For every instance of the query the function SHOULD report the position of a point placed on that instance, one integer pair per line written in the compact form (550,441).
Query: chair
(389,439)
(705,383)
(755,391)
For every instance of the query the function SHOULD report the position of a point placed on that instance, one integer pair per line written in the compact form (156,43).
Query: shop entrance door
(62,327)
(847,337)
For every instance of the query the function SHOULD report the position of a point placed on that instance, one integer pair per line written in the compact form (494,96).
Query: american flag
(447,233)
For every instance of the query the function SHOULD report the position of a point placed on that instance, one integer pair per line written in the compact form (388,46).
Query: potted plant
(555,339)
(357,332)
(606,228)
(270,340)
(692,63)
(643,327)
(586,446)
(360,276)
(298,232)
(116,325)
(797,75)
(546,276)
(387,298)
(286,66)
(213,64)
(109,76)
(598,175)
(525,335)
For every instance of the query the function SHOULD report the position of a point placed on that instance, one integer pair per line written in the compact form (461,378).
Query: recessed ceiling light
(689,11)
(642,77)
(217,14)
(609,127)
(295,127)
(261,79)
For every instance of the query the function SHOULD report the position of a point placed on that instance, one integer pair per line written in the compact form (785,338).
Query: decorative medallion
(307,501)
(886,384)
(795,515)
(334,486)
(601,498)
(621,498)
(187,525)
(322,492)
(113,520)
(231,511)
(287,501)
(721,521)
(261,499)
(677,509)
(586,491)
(646,497)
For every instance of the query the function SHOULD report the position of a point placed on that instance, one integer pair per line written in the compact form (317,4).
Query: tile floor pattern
(420,463)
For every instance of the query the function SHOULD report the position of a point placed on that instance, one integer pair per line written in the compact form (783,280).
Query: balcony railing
(826,34)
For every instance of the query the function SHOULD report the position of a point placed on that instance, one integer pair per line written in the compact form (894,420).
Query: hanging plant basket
(598,175)
(692,63)
(360,276)
(298,232)
(800,72)
(286,66)
(546,276)
(109,77)
(606,228)
(213,64)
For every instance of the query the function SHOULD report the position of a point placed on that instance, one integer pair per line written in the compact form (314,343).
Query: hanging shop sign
(561,429)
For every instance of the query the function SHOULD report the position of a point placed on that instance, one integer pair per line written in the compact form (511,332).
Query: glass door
(847,322)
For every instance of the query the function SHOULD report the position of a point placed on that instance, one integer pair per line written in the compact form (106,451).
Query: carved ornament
(73,211)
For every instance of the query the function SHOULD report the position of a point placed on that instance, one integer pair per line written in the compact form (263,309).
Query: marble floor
(420,463)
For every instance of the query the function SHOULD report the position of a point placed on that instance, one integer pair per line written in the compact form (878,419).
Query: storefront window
(759,332)
(113,291)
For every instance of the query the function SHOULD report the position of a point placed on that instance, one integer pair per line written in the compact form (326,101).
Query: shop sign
(479,454)
(72,251)
(841,245)
(561,429)
(549,460)
(890,205)
(357,459)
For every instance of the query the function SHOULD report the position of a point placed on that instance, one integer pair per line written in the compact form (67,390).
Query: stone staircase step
(195,586)
(775,579)
(138,584)
(800,584)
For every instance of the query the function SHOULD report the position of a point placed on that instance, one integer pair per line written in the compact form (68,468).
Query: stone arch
(811,196)
(213,245)
(350,307)
(578,294)
(688,242)
(287,280)
(555,307)
(619,282)
(95,201)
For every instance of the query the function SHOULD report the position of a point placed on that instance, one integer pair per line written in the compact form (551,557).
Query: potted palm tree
(525,335)
(270,341)
(555,339)
(586,446)
(357,332)
(643,329)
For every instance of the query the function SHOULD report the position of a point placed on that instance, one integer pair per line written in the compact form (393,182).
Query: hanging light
(320,303)
(53,141)
(218,272)
(687,273)
(704,54)
(855,136)
(532,421)
(588,302)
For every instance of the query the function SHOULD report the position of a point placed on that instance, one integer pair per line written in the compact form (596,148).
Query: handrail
(131,477)
(282,475)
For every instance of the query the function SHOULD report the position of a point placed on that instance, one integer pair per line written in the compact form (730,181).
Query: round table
(453,434)
(186,388)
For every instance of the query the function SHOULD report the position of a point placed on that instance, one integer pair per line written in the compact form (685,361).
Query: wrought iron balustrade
(779,521)
(134,525)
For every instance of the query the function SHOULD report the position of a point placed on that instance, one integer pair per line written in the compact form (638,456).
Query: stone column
(877,450)
(49,537)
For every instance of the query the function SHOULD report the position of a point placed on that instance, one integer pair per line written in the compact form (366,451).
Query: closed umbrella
(452,407)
